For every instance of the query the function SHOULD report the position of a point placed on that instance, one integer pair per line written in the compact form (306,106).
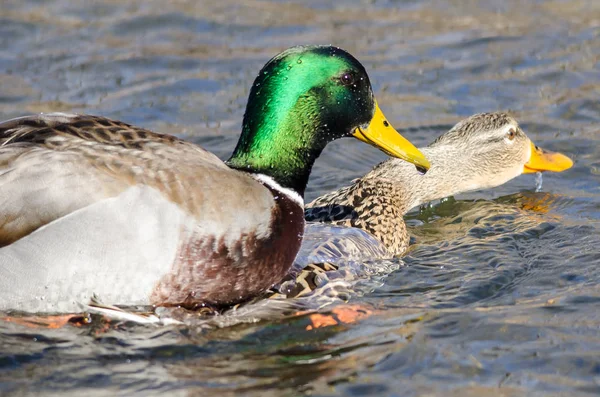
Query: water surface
(497,297)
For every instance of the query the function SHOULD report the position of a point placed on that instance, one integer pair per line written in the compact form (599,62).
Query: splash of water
(538,182)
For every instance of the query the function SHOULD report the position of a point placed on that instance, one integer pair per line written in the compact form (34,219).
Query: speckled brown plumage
(373,205)
(48,131)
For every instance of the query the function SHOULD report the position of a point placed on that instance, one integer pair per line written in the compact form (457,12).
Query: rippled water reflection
(500,291)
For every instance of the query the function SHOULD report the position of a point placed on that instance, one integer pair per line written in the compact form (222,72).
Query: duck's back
(52,165)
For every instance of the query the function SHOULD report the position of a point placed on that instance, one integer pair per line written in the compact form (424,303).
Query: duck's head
(491,149)
(304,98)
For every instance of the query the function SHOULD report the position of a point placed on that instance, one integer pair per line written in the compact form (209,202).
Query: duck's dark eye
(511,134)
(347,79)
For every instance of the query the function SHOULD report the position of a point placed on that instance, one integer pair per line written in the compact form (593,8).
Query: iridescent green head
(303,99)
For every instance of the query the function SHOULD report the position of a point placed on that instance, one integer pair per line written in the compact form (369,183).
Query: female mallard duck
(96,206)
(482,151)
(365,220)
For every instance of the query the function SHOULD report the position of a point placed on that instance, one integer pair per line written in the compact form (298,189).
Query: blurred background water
(498,296)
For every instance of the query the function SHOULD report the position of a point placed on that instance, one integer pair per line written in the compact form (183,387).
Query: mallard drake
(480,152)
(91,205)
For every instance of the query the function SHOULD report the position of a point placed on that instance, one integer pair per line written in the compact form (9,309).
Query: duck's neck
(450,173)
(282,145)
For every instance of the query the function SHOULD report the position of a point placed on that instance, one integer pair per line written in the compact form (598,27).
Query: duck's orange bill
(544,160)
(383,136)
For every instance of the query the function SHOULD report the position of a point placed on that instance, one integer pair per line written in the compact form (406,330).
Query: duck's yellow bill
(544,160)
(383,136)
